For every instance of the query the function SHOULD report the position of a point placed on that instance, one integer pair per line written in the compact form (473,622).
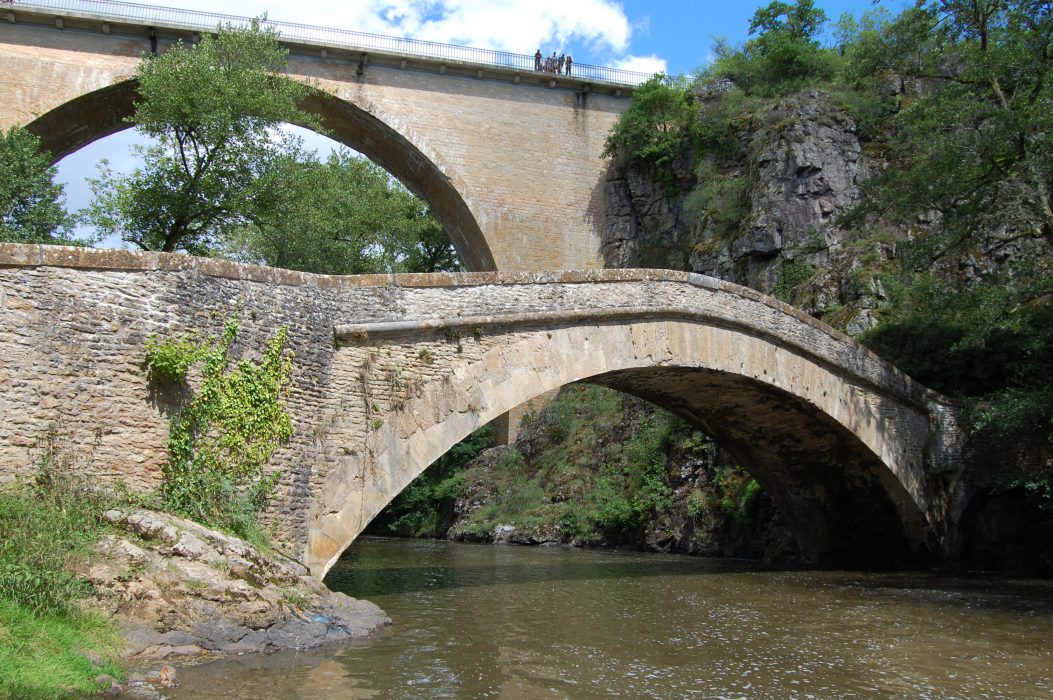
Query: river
(483,621)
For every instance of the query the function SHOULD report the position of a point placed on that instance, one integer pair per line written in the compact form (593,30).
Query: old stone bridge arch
(509,160)
(393,370)
(845,444)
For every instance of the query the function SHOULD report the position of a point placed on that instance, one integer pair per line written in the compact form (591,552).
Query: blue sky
(648,35)
(681,32)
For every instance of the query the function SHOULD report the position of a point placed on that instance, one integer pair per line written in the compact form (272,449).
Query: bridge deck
(321,39)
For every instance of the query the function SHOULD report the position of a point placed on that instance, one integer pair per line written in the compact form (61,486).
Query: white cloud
(642,64)
(520,26)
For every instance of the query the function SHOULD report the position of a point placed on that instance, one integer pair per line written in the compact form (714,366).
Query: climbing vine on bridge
(222,438)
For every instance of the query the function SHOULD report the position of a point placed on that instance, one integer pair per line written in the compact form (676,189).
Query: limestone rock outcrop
(179,589)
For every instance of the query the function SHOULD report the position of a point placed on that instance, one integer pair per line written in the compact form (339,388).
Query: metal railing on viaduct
(341,39)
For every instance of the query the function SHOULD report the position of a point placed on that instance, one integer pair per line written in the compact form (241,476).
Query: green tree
(976,145)
(344,215)
(799,23)
(213,110)
(653,129)
(432,250)
(31,209)
(784,54)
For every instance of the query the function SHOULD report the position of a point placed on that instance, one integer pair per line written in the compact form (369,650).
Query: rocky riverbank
(181,591)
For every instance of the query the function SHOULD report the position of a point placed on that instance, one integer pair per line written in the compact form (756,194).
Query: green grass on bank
(42,656)
(49,525)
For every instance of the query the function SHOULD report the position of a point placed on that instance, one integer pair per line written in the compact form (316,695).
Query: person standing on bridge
(559,67)
(537,60)
(569,61)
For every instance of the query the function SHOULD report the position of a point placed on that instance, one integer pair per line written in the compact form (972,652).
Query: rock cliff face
(803,167)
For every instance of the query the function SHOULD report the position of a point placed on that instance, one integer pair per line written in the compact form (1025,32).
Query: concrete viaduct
(391,371)
(507,158)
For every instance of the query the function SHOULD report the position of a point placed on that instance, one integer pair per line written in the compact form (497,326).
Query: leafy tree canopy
(214,110)
(31,209)
(652,130)
(799,22)
(784,53)
(974,143)
(344,215)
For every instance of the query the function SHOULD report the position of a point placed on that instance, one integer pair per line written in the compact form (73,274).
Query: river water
(483,621)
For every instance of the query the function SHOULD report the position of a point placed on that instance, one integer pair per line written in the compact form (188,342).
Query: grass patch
(41,656)
(48,526)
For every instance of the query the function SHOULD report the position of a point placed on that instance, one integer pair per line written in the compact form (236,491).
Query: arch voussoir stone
(516,368)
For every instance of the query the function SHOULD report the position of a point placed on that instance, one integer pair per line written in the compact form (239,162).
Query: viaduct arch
(393,370)
(94,115)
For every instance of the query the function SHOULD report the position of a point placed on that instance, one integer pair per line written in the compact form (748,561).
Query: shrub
(653,129)
(48,525)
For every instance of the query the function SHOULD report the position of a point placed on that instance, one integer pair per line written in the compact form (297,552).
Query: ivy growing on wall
(222,438)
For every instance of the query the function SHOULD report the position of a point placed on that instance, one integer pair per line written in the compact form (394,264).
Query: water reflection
(512,622)
(484,565)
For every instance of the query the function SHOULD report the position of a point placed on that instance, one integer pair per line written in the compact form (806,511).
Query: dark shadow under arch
(844,506)
(98,114)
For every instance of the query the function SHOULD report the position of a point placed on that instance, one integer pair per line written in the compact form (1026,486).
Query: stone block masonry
(391,371)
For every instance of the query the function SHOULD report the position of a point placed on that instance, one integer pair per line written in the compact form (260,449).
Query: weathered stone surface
(179,589)
(808,169)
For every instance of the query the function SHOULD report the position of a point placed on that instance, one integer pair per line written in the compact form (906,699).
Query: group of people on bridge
(553,64)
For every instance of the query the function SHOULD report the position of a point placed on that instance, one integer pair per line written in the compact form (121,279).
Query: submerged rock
(179,589)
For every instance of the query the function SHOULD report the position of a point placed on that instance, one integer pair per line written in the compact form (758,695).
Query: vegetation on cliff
(594,467)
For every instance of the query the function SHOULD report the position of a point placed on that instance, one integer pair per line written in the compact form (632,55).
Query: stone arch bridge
(391,371)
(507,158)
